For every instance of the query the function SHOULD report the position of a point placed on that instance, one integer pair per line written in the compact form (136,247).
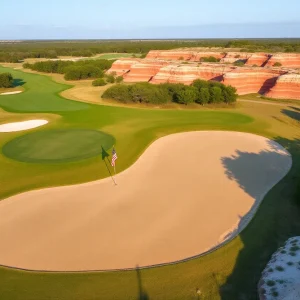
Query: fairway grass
(232,272)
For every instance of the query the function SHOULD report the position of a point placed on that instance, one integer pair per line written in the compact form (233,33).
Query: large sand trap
(10,93)
(24,125)
(179,199)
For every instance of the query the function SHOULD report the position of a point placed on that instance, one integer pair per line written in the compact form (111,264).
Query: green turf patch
(41,95)
(55,146)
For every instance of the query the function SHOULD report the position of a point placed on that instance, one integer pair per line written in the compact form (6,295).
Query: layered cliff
(188,73)
(186,55)
(273,82)
(142,71)
(286,87)
(258,59)
(285,60)
(123,65)
(251,80)
(232,57)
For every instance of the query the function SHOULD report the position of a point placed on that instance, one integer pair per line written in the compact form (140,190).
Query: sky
(138,19)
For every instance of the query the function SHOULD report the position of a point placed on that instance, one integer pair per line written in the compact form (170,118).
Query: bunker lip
(23,125)
(165,209)
(10,93)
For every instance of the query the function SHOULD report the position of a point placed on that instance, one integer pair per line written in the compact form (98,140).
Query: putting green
(54,146)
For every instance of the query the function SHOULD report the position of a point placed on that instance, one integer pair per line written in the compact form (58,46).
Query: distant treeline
(201,92)
(15,52)
(6,80)
(82,69)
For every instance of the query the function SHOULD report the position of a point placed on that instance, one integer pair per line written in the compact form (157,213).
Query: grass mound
(53,146)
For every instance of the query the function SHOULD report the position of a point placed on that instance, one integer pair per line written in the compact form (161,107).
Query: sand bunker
(10,93)
(19,126)
(181,197)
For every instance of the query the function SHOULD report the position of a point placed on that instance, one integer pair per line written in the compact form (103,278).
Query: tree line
(83,69)
(16,52)
(6,80)
(201,92)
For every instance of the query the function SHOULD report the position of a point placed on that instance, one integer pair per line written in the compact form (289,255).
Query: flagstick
(115,172)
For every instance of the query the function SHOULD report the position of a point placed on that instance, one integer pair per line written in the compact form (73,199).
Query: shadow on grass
(18,82)
(106,161)
(277,220)
(294,113)
(142,294)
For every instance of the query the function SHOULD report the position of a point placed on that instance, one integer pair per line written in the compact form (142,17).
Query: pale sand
(175,202)
(19,126)
(10,93)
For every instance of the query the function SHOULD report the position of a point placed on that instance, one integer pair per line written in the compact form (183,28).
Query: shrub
(239,63)
(271,283)
(6,80)
(110,78)
(277,64)
(119,79)
(99,82)
(200,91)
(279,268)
(187,95)
(204,96)
(118,92)
(215,95)
(209,59)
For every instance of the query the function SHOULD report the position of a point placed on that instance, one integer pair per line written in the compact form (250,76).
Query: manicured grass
(52,146)
(231,272)
(41,95)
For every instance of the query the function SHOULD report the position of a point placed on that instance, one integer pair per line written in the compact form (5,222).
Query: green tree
(204,96)
(215,95)
(199,84)
(6,80)
(119,79)
(187,95)
(99,82)
(229,94)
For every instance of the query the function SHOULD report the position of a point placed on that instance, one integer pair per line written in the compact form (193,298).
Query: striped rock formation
(123,65)
(232,57)
(186,55)
(286,87)
(285,59)
(143,71)
(188,73)
(258,59)
(251,80)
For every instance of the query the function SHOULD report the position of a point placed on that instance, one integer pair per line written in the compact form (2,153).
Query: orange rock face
(249,80)
(188,73)
(232,57)
(122,66)
(258,59)
(182,55)
(143,71)
(273,82)
(286,87)
(285,59)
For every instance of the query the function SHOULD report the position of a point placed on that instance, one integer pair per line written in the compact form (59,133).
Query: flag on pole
(113,157)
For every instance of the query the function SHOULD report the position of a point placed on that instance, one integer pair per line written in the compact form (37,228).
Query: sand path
(19,126)
(181,196)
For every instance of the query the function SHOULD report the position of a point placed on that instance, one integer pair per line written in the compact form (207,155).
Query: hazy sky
(22,19)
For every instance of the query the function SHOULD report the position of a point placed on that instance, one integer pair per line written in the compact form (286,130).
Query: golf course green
(54,145)
(68,151)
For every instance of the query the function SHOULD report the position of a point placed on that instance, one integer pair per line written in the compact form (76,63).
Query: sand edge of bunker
(22,125)
(233,232)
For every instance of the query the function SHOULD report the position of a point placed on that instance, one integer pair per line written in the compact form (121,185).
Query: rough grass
(231,272)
